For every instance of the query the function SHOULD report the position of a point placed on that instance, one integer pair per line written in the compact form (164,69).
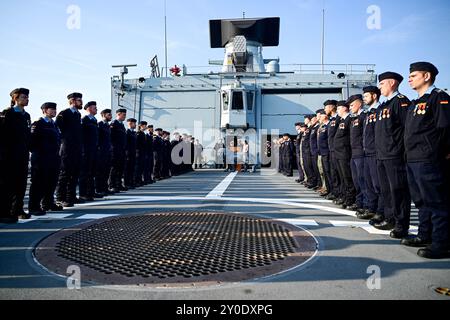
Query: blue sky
(39,51)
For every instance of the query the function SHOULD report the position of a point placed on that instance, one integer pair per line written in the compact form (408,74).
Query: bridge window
(250,102)
(238,101)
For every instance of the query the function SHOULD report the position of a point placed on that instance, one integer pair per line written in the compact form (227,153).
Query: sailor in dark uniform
(343,153)
(69,123)
(141,153)
(317,184)
(119,145)
(104,153)
(166,152)
(14,156)
(330,107)
(358,117)
(89,155)
(298,153)
(427,144)
(45,162)
(375,202)
(157,153)
(175,159)
(306,154)
(324,151)
(288,155)
(150,160)
(389,132)
(130,165)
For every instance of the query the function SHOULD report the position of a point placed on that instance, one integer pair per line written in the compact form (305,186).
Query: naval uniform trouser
(316,172)
(309,171)
(103,171)
(327,172)
(301,174)
(428,192)
(16,177)
(44,177)
(394,187)
(374,198)
(130,168)
(288,167)
(348,189)
(66,190)
(117,169)
(139,169)
(157,168)
(447,192)
(334,174)
(87,174)
(357,167)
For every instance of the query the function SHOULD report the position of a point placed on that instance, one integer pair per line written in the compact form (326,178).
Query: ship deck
(348,248)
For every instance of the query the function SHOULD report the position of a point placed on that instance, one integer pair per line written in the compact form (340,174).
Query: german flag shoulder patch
(444,102)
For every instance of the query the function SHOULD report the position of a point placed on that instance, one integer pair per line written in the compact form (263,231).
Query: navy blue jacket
(427,129)
(356,135)
(369,133)
(389,128)
(323,140)
(313,141)
(342,148)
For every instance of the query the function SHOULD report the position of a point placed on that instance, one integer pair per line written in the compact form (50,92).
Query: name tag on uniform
(333,123)
(342,126)
(356,123)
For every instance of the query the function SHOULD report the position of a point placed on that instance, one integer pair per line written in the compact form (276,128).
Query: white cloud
(399,33)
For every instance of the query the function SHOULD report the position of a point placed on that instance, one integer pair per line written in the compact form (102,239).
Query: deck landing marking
(222,187)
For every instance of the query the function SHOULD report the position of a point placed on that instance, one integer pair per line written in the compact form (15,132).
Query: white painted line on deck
(367,227)
(55,216)
(299,222)
(222,187)
(96,216)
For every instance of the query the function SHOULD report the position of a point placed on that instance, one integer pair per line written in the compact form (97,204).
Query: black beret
(159,129)
(321,111)
(308,116)
(106,111)
(303,125)
(75,95)
(20,91)
(372,89)
(48,105)
(132,120)
(330,102)
(90,103)
(286,135)
(121,111)
(342,103)
(424,66)
(150,126)
(166,133)
(390,75)
(354,98)
(143,123)
(298,124)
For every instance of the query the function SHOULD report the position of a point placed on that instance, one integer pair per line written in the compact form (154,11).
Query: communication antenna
(165,33)
(323,38)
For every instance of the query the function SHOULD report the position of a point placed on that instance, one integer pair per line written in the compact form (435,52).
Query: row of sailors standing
(68,151)
(375,161)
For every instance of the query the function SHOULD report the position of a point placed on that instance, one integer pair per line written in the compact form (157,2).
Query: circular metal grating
(176,248)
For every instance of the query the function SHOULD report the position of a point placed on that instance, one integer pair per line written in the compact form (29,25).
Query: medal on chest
(421,109)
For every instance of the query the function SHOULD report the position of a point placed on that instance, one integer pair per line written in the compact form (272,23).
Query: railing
(346,69)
